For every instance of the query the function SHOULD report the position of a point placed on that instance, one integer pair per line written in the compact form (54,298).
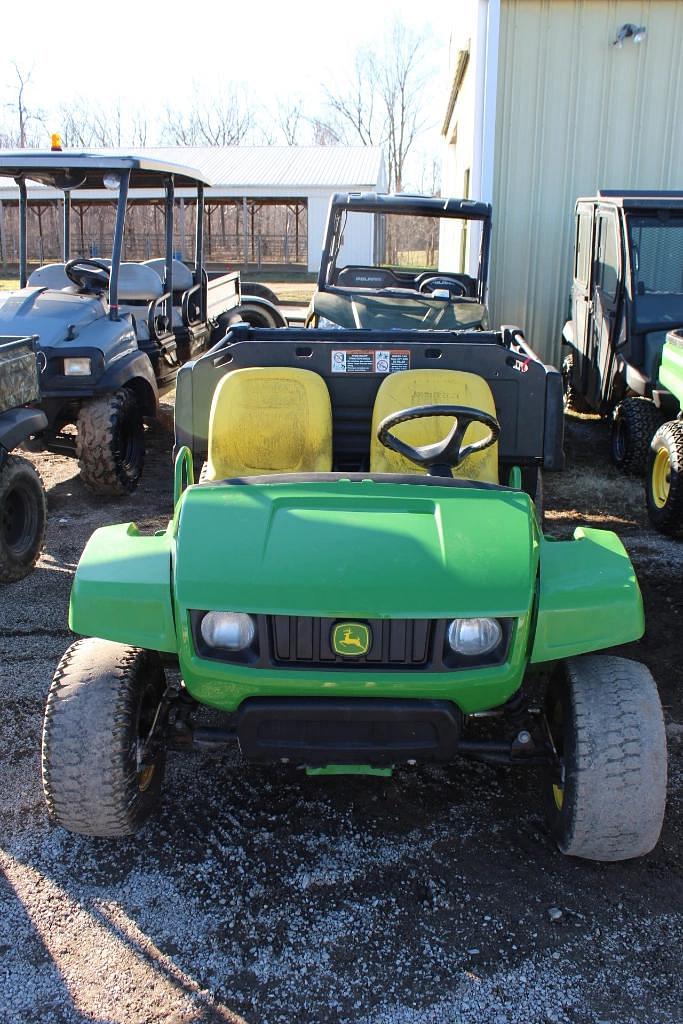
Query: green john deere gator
(355,575)
(664,476)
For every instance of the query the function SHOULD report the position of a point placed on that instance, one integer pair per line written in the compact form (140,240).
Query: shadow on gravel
(263,894)
(34,988)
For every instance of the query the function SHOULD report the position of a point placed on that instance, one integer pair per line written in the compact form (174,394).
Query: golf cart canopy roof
(412,205)
(70,169)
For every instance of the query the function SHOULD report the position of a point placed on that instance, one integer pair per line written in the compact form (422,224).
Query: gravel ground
(260,895)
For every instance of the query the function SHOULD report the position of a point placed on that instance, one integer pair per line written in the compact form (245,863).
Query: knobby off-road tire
(664,479)
(606,721)
(261,290)
(23,518)
(110,443)
(634,423)
(100,707)
(573,400)
(256,315)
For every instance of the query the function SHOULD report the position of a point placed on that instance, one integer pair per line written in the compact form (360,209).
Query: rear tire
(261,290)
(257,315)
(664,479)
(573,400)
(110,444)
(634,423)
(23,518)
(606,721)
(100,707)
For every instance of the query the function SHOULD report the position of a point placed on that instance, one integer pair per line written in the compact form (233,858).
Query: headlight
(231,631)
(77,367)
(324,322)
(474,637)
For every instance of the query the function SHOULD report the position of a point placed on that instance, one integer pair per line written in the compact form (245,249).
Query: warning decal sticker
(367,360)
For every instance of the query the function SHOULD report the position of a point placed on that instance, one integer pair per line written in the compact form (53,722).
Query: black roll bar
(199,249)
(23,203)
(168,277)
(118,246)
(66,241)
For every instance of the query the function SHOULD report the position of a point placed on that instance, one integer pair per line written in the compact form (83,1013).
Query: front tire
(23,518)
(664,479)
(634,423)
(110,444)
(607,726)
(100,709)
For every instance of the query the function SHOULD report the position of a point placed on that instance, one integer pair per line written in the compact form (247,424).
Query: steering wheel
(431,283)
(444,455)
(93,275)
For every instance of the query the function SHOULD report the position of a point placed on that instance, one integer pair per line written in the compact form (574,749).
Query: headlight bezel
(242,656)
(495,656)
(85,361)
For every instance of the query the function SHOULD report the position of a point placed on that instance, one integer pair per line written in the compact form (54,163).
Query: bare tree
(30,123)
(402,81)
(290,118)
(324,134)
(223,121)
(354,112)
(430,176)
(382,104)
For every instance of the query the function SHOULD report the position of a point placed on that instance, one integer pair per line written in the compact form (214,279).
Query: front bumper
(327,731)
(226,685)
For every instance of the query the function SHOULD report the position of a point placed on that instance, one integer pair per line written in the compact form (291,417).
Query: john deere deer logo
(351,638)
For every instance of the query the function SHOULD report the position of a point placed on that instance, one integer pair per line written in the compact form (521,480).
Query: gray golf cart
(111,334)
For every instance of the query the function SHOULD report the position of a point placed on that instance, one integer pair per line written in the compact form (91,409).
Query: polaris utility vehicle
(110,333)
(359,581)
(664,475)
(626,294)
(23,505)
(406,285)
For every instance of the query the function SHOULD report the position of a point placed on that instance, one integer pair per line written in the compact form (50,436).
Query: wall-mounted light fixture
(630,31)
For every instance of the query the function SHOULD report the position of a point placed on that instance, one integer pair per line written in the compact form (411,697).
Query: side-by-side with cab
(359,580)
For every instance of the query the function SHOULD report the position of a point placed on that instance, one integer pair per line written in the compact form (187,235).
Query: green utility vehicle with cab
(627,293)
(664,474)
(405,285)
(359,581)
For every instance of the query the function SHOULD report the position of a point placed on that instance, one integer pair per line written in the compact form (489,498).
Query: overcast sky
(152,54)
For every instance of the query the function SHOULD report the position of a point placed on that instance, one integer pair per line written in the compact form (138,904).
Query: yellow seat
(433,387)
(269,420)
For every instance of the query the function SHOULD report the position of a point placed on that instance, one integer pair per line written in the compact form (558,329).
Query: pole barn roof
(263,170)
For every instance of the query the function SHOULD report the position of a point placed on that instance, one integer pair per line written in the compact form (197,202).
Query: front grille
(307,641)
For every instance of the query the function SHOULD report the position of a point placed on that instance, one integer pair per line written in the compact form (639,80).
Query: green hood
(385,312)
(358,549)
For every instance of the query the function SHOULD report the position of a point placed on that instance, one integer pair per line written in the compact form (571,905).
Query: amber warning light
(55,143)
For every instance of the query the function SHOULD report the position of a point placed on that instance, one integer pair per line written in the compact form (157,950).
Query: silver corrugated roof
(264,167)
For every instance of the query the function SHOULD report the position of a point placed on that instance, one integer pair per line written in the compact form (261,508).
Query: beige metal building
(544,107)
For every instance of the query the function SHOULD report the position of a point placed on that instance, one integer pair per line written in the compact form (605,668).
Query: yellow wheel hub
(660,480)
(145,777)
